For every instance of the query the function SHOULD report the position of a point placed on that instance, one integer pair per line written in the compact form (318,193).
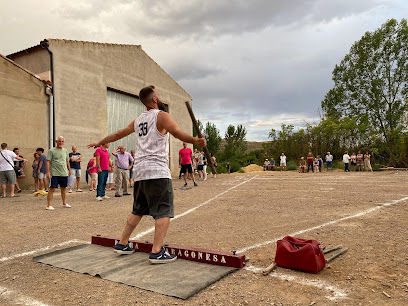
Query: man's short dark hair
(15,149)
(145,93)
(40,149)
(3,145)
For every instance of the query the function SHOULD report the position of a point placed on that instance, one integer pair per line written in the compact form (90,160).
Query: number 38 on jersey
(143,129)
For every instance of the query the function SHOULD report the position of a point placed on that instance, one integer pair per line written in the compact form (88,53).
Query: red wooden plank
(229,259)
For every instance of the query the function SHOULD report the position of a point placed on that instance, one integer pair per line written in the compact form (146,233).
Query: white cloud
(259,62)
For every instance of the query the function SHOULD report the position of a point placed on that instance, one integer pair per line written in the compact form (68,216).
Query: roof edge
(27,71)
(25,51)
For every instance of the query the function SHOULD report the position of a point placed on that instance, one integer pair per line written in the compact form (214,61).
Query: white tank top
(152,149)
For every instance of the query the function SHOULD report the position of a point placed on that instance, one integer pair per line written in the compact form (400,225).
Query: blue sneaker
(162,257)
(195,184)
(123,249)
(185,185)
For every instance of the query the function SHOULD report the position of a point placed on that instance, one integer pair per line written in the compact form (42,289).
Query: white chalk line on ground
(335,292)
(18,298)
(138,236)
(360,214)
(42,249)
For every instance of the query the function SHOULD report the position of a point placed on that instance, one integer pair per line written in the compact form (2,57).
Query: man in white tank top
(153,191)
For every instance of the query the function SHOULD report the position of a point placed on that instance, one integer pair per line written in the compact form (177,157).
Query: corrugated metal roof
(22,68)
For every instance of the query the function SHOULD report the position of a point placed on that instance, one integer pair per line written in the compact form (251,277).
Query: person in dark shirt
(75,159)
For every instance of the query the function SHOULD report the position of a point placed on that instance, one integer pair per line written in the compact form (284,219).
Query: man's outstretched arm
(114,136)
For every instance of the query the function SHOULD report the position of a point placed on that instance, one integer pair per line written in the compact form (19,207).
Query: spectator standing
(93,173)
(283,162)
(185,159)
(197,156)
(214,161)
(42,170)
(75,159)
(353,161)
(58,170)
(204,166)
(200,165)
(102,164)
(367,162)
(315,165)
(228,168)
(131,180)
(124,162)
(109,181)
(320,160)
(35,170)
(329,161)
(346,160)
(19,166)
(309,159)
(302,165)
(7,173)
(360,161)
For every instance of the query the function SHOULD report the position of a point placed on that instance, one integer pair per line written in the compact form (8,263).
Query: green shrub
(222,167)
(291,165)
(377,167)
(338,164)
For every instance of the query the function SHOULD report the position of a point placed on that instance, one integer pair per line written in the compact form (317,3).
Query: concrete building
(24,112)
(95,90)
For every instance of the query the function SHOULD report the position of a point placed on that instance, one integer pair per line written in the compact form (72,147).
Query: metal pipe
(48,91)
(45,44)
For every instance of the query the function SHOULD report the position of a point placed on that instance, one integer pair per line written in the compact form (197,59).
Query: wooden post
(195,124)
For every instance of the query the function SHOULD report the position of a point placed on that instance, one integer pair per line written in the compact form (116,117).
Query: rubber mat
(181,278)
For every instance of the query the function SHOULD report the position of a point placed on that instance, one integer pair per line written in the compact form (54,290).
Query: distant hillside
(251,146)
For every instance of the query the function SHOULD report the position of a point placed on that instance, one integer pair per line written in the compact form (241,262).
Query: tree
(235,142)
(212,135)
(371,82)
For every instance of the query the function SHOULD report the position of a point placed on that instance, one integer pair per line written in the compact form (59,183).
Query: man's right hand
(201,142)
(99,170)
(48,175)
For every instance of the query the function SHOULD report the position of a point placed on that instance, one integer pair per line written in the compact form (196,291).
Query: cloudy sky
(259,63)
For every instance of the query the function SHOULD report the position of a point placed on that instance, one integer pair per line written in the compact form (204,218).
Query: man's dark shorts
(153,198)
(62,181)
(329,164)
(186,167)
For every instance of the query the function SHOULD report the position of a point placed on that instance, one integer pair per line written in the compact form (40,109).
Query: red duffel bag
(300,254)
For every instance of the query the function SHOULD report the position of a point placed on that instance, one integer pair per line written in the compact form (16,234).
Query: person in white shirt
(283,162)
(7,173)
(346,160)
(153,191)
(329,161)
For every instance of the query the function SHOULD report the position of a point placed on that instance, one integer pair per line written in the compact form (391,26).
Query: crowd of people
(194,163)
(357,162)
(99,173)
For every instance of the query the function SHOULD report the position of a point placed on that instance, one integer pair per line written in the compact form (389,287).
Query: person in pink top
(93,173)
(102,163)
(185,158)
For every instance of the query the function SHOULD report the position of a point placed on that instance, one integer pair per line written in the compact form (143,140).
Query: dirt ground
(365,212)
